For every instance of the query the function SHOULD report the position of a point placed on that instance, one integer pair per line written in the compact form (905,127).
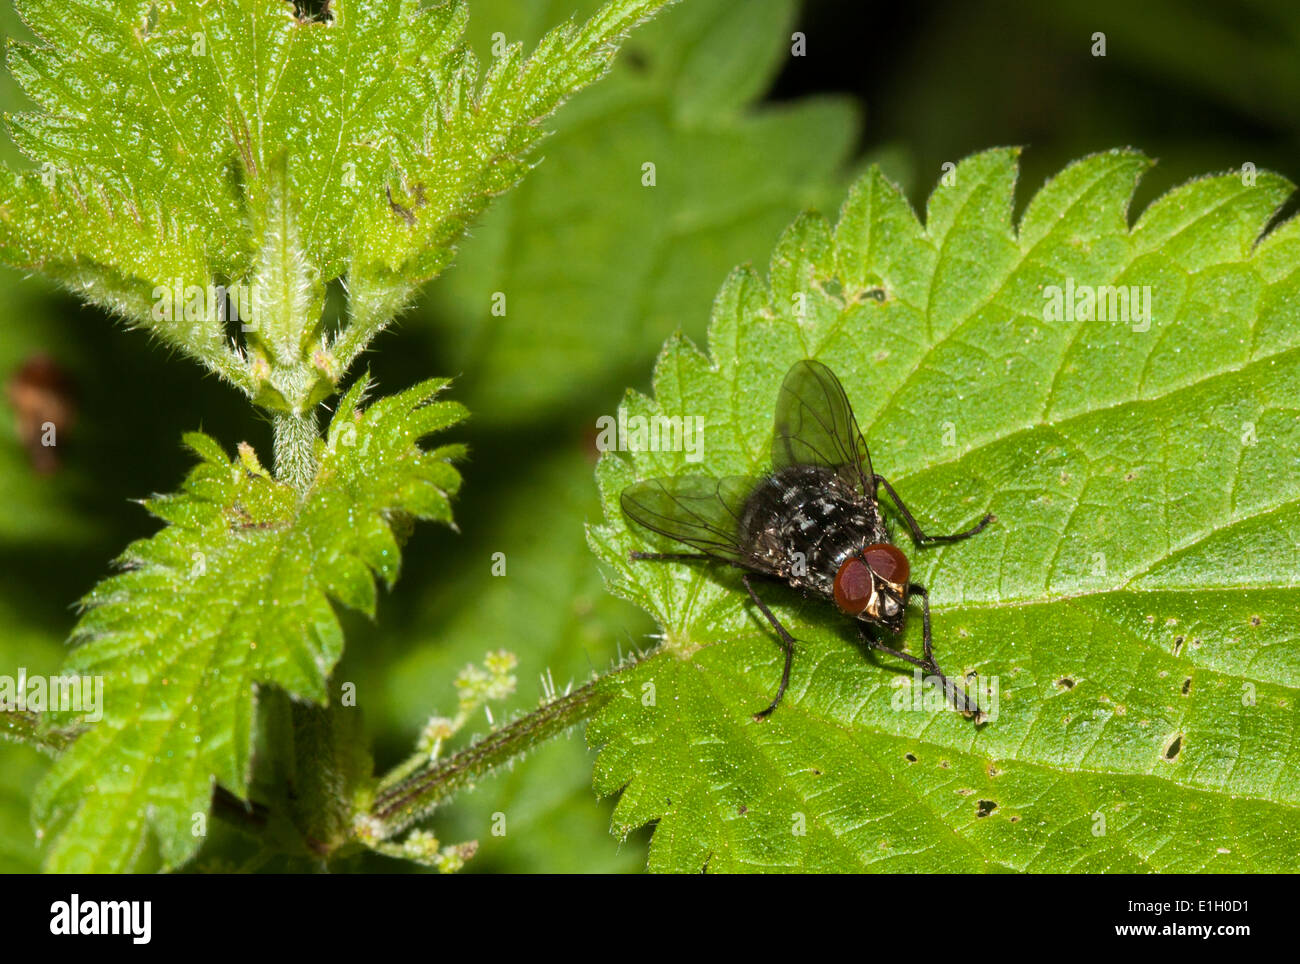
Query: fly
(813,522)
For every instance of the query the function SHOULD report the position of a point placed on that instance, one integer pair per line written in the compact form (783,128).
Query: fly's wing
(700,511)
(815,426)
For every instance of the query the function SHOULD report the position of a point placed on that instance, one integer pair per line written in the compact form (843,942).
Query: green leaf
(1134,601)
(587,299)
(233,593)
(191,143)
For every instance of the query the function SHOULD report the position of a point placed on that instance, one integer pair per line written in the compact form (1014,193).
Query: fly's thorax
(804,520)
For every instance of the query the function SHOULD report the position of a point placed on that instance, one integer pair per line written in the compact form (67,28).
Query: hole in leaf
(909,757)
(1174,748)
(308,10)
(1178,644)
(1065,683)
(985,807)
(1187,686)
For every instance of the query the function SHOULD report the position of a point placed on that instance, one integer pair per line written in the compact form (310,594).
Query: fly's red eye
(888,562)
(853,586)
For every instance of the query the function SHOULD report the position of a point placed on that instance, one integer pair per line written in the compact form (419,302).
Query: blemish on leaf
(1178,644)
(742,810)
(1065,683)
(965,792)
(909,757)
(1187,686)
(1015,819)
(405,213)
(993,772)
(1254,620)
(1174,748)
(944,765)
(985,807)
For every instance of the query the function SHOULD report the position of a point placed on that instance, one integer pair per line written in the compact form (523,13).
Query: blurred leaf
(1134,602)
(596,269)
(22,767)
(550,609)
(234,592)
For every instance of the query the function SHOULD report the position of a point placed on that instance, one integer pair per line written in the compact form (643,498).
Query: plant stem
(295,448)
(418,794)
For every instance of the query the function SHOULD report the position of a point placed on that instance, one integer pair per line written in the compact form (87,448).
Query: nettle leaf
(1134,602)
(234,592)
(181,143)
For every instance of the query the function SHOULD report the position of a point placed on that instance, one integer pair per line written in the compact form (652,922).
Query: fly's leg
(683,557)
(920,537)
(668,556)
(960,700)
(787,643)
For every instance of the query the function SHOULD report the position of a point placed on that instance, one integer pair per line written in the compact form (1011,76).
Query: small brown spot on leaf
(1187,686)
(1174,748)
(1178,645)
(1065,683)
(944,764)
(909,757)
(742,810)
(1254,620)
(1015,819)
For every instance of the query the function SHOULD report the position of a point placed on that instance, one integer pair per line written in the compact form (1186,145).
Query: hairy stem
(416,795)
(295,448)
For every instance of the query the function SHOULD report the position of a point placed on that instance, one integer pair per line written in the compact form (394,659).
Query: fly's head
(872,586)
